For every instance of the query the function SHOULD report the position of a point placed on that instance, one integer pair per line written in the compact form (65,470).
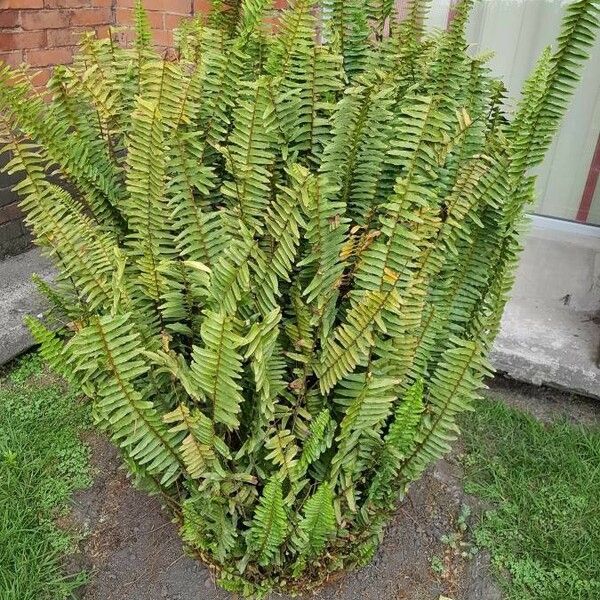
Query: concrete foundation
(551,327)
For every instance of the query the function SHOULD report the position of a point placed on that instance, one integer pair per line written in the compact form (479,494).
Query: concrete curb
(19,297)
(549,346)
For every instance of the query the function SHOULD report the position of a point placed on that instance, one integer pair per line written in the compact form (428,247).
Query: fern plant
(283,259)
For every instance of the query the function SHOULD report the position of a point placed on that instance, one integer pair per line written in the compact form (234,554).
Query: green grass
(543,484)
(42,461)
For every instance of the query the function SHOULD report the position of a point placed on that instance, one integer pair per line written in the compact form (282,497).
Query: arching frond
(316,526)
(217,368)
(269,524)
(108,355)
(283,251)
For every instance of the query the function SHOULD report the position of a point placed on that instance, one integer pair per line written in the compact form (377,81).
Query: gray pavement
(19,297)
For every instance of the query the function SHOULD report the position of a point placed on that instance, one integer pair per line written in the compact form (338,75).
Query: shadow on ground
(132,550)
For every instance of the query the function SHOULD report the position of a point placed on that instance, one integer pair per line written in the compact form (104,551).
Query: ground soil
(132,550)
(546,404)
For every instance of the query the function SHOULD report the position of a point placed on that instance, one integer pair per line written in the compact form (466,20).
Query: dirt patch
(544,403)
(132,550)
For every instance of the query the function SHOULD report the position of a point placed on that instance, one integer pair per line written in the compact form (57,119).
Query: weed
(543,483)
(437,565)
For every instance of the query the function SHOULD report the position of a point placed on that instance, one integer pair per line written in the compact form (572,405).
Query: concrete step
(551,328)
(544,345)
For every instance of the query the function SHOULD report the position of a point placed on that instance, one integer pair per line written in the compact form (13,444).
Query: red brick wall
(43,33)
(164,15)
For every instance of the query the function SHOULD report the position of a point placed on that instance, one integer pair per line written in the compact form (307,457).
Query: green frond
(380,14)
(269,526)
(230,276)
(207,526)
(249,157)
(320,438)
(398,443)
(316,526)
(252,15)
(284,222)
(416,149)
(295,37)
(348,31)
(184,293)
(24,109)
(349,345)
(107,353)
(225,15)
(142,27)
(62,298)
(416,19)
(200,449)
(201,232)
(223,67)
(261,344)
(577,35)
(217,368)
(52,348)
(452,390)
(311,82)
(283,452)
(61,227)
(367,400)
(194,39)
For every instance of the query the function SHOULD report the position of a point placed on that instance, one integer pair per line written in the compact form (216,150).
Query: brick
(10,212)
(102,3)
(126,16)
(9,18)
(66,3)
(163,39)
(46,57)
(103,31)
(64,37)
(22,39)
(201,6)
(91,16)
(45,19)
(180,7)
(25,4)
(173,21)
(41,77)
(12,59)
(156,19)
(123,16)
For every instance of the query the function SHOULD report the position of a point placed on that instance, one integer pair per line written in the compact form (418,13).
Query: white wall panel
(518,32)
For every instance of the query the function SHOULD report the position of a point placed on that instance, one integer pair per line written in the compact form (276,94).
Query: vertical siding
(518,32)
